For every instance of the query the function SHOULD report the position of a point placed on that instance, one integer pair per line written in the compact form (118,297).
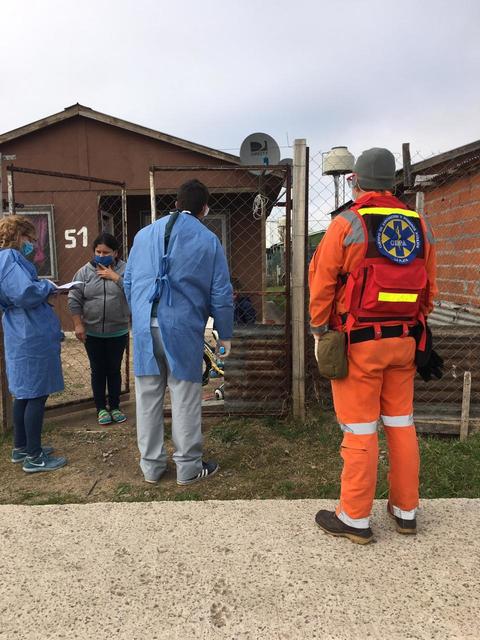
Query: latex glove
(225,351)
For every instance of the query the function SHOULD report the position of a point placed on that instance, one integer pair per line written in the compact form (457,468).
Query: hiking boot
(20,455)
(118,416)
(104,417)
(330,523)
(209,469)
(406,527)
(43,463)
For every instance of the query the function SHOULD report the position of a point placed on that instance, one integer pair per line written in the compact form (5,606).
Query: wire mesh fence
(68,212)
(446,188)
(256,377)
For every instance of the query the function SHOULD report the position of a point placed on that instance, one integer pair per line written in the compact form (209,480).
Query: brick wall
(453,210)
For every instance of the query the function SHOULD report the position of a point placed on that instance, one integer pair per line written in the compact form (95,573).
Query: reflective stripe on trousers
(360,454)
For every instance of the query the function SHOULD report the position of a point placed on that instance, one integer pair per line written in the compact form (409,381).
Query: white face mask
(207,209)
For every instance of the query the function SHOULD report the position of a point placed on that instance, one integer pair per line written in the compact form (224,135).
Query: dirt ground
(264,458)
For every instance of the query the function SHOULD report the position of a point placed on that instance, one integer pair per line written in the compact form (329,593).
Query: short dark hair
(107,239)
(192,196)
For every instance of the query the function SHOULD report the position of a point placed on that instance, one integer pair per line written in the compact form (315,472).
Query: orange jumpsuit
(380,377)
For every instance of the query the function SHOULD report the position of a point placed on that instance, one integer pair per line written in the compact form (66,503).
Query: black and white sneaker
(209,469)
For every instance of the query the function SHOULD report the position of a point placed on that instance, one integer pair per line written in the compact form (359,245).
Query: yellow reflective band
(385,211)
(384,296)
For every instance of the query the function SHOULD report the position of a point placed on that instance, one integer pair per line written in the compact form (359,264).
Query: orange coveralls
(380,377)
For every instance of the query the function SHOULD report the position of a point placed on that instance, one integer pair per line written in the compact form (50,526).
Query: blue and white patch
(398,239)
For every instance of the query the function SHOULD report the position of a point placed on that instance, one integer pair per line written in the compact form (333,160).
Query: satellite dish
(259,149)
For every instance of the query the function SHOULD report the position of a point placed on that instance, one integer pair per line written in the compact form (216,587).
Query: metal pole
(124,224)
(298,277)
(11,192)
(153,204)
(336,183)
(407,166)
(467,390)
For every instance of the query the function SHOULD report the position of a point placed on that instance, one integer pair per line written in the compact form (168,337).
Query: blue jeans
(28,424)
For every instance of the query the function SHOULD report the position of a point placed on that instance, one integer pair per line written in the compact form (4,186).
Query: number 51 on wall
(71,237)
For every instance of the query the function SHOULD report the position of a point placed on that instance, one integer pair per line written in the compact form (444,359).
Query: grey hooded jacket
(101,303)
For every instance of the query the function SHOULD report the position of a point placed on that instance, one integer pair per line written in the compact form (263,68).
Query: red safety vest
(391,282)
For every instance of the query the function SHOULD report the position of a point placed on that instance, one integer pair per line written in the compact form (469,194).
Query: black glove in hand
(434,367)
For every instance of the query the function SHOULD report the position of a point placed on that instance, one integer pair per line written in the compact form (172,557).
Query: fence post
(153,203)
(11,192)
(420,202)
(124,224)
(298,276)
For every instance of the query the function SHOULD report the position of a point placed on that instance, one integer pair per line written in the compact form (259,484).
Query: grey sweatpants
(186,400)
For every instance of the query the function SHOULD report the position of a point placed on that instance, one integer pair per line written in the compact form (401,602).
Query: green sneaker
(20,455)
(118,416)
(43,463)
(104,417)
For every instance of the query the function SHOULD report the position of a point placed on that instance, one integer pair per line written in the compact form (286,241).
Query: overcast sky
(362,73)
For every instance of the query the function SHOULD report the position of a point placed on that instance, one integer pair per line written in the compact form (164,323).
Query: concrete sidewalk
(236,570)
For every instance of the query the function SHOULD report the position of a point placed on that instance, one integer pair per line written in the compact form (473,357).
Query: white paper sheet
(68,285)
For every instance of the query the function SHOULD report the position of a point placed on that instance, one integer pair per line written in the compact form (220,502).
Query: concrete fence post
(299,218)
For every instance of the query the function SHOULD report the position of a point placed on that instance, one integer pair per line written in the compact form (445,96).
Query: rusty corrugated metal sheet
(448,313)
(256,373)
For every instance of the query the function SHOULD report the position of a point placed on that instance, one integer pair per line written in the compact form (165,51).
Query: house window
(45,256)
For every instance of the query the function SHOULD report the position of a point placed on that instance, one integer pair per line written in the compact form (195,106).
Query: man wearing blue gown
(176,277)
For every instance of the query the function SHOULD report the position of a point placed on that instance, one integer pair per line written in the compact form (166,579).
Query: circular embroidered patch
(398,239)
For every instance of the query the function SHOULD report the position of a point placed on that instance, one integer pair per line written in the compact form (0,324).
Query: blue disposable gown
(193,283)
(32,331)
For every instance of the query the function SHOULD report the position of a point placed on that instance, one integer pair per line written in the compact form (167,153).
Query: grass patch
(44,498)
(450,468)
(186,496)
(259,459)
(227,434)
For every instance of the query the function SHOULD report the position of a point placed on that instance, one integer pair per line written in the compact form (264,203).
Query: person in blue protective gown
(176,277)
(32,336)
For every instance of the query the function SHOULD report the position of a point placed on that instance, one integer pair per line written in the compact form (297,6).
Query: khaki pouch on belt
(331,354)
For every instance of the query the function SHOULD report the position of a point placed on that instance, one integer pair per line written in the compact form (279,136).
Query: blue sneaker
(20,455)
(209,469)
(43,463)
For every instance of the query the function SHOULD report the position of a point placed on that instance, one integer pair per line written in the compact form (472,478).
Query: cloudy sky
(356,72)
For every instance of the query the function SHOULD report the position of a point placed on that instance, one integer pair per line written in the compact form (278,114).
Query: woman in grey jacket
(101,316)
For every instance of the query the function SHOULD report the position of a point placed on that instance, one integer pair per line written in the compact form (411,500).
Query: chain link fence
(446,188)
(68,212)
(243,200)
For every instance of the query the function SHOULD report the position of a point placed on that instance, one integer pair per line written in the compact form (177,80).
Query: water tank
(338,161)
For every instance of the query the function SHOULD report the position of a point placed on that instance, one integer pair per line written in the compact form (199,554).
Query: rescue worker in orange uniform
(373,277)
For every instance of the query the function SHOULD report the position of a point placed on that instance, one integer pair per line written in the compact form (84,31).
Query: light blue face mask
(27,248)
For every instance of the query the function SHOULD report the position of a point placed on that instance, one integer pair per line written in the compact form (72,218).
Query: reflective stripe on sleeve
(385,296)
(385,211)
(360,428)
(358,523)
(398,421)
(356,234)
(405,515)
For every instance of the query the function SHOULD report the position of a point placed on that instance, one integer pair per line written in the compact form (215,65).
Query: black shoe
(406,527)
(209,469)
(328,521)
